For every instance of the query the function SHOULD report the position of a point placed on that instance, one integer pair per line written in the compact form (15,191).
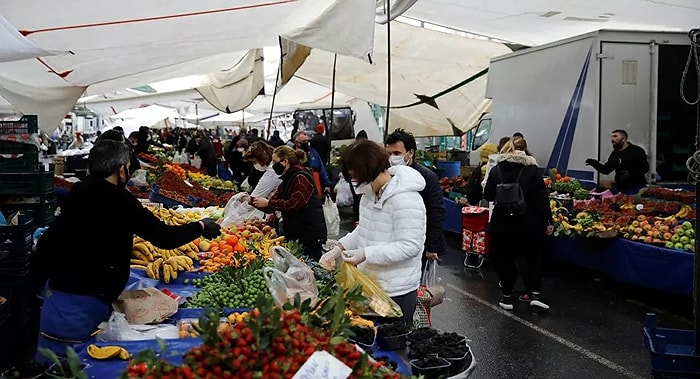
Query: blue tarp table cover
(175,349)
(630,262)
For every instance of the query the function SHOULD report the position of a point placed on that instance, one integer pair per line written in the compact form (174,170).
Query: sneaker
(506,302)
(537,303)
(524,298)
(499,284)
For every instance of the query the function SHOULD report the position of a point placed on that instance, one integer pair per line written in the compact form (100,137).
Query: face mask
(259,167)
(240,149)
(397,160)
(363,188)
(304,146)
(278,168)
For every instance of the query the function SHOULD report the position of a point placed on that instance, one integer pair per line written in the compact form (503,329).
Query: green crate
(27,162)
(26,183)
(26,125)
(43,211)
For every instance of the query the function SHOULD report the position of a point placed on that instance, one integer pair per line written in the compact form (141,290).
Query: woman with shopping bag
(387,243)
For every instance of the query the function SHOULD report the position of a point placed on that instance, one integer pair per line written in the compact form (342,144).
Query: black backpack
(509,196)
(474,191)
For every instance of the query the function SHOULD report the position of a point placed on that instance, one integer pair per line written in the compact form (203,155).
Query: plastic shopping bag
(181,158)
(196,161)
(378,302)
(430,294)
(330,212)
(289,278)
(238,211)
(118,329)
(343,194)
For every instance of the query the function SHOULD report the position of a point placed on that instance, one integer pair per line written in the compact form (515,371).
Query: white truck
(568,96)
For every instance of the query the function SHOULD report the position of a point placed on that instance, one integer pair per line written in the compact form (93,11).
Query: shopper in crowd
(218,145)
(475,190)
(388,242)
(321,181)
(627,160)
(115,135)
(517,237)
(302,213)
(361,135)
(320,143)
(182,141)
(260,155)
(78,142)
(238,166)
(492,159)
(82,282)
(401,146)
(276,140)
(206,152)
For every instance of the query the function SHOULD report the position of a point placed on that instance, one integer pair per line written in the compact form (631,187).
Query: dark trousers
(517,254)
(407,303)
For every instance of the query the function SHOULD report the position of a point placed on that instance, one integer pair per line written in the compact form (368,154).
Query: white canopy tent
(152,116)
(113,45)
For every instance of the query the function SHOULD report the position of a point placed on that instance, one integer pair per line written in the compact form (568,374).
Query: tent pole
(329,120)
(388,69)
(274,93)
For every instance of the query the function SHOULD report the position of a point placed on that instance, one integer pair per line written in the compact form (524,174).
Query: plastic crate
(671,351)
(167,202)
(42,211)
(17,236)
(26,183)
(28,124)
(26,160)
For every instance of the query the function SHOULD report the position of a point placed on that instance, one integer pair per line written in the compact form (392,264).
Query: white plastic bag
(118,329)
(181,158)
(433,283)
(343,194)
(197,161)
(238,211)
(139,178)
(289,277)
(332,216)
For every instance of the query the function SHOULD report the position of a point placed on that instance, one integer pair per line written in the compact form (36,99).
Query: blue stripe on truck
(565,139)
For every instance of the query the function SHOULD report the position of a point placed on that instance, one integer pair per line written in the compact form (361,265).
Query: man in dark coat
(206,152)
(401,146)
(276,140)
(320,143)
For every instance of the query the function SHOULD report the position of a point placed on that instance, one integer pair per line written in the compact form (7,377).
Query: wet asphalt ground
(593,329)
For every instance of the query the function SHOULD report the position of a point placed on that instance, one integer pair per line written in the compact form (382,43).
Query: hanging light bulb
(388,10)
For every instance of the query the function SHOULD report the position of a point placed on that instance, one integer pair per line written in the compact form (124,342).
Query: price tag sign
(321,364)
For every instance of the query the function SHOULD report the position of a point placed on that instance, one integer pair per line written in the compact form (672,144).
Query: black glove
(211,228)
(591,161)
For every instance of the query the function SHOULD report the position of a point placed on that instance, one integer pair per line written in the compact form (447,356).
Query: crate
(26,183)
(671,351)
(14,264)
(17,236)
(42,211)
(28,124)
(26,160)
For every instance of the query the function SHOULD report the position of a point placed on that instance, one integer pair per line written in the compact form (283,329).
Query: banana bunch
(107,352)
(170,216)
(147,257)
(264,243)
(683,212)
(170,268)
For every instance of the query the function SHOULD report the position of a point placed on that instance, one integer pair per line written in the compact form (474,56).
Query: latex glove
(210,229)
(330,259)
(591,161)
(354,257)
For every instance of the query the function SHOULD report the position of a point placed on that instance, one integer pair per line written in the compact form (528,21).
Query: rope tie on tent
(693,163)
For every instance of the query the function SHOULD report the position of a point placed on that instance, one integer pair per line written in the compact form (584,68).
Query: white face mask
(363,188)
(259,167)
(397,160)
(240,149)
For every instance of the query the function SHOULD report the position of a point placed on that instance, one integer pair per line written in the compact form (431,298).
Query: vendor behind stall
(85,252)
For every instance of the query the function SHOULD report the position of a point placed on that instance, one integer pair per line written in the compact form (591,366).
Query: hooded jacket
(392,232)
(538,213)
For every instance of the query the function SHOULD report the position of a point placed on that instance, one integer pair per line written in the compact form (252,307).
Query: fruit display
(584,224)
(162,264)
(148,158)
(231,287)
(662,231)
(189,328)
(267,343)
(685,197)
(171,185)
(210,182)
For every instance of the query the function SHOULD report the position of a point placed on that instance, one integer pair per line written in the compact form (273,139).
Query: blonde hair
(294,157)
(515,144)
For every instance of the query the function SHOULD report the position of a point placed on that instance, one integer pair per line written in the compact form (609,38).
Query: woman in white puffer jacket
(387,244)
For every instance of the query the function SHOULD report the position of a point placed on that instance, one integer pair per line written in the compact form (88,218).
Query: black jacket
(306,222)
(320,143)
(434,209)
(538,214)
(87,249)
(630,166)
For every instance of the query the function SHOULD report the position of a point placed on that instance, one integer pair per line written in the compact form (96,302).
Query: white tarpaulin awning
(116,45)
(538,22)
(424,65)
(152,116)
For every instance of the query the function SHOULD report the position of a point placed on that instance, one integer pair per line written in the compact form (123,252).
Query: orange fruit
(239,248)
(232,240)
(226,248)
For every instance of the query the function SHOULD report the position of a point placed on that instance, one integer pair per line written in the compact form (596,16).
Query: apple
(678,246)
(684,240)
(670,245)
(648,240)
(657,223)
(692,241)
(675,238)
(644,224)
(688,247)
(635,237)
(635,224)
(641,218)
(664,228)
(203,246)
(638,231)
(668,236)
(687,225)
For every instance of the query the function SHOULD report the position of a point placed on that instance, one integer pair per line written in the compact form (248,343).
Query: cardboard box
(145,306)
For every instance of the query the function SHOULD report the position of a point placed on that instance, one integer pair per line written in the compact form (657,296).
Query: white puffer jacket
(392,232)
